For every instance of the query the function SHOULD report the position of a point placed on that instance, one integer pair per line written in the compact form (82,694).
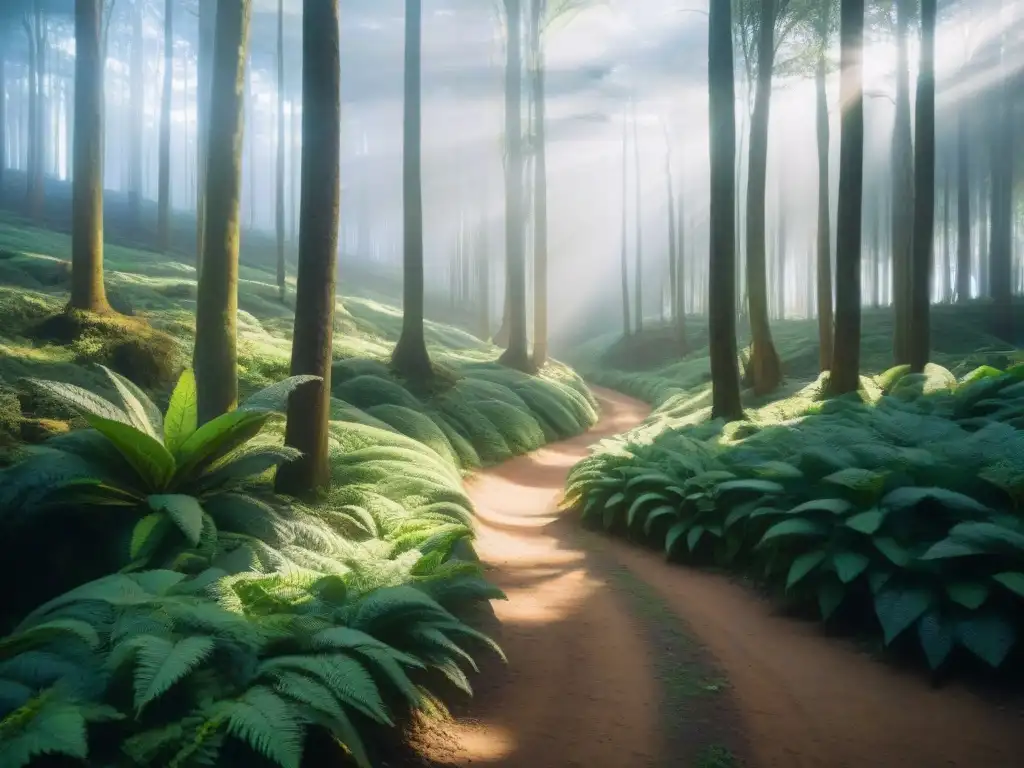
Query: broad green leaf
(274,399)
(794,527)
(748,485)
(803,565)
(147,533)
(148,456)
(990,637)
(739,512)
(185,511)
(649,477)
(898,609)
(639,502)
(936,636)
(908,496)
(674,534)
(778,469)
(1012,580)
(893,550)
(969,594)
(217,437)
(857,479)
(181,420)
(878,578)
(82,400)
(830,597)
(950,548)
(832,506)
(657,514)
(867,522)
(693,536)
(989,538)
(614,500)
(141,411)
(849,565)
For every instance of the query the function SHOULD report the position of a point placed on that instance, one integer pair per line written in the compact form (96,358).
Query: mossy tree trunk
(163,224)
(136,87)
(517,354)
(725,378)
(87,291)
(963,207)
(312,344)
(903,192)
(540,196)
(845,375)
(216,356)
(824,242)
(924,197)
(765,368)
(626,320)
(279,208)
(410,357)
(204,85)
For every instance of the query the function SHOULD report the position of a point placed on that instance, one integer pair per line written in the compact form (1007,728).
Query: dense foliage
(896,510)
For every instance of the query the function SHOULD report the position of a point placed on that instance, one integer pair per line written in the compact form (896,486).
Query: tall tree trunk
(410,357)
(216,356)
(3,122)
(639,227)
(824,260)
(312,347)
(780,267)
(279,211)
(517,355)
(204,84)
(765,368)
(963,208)
(87,290)
(136,108)
(845,375)
(1001,220)
(296,143)
(484,282)
(682,270)
(675,295)
(903,193)
(924,197)
(626,318)
(725,379)
(540,196)
(163,224)
(945,285)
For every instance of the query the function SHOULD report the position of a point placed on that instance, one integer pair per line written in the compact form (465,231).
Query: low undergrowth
(895,511)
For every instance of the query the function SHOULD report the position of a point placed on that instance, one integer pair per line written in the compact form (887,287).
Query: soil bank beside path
(603,673)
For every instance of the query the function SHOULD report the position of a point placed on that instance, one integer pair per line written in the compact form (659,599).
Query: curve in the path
(582,685)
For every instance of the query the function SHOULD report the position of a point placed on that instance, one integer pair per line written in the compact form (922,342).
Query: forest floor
(619,659)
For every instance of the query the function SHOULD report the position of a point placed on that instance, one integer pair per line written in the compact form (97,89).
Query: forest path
(620,660)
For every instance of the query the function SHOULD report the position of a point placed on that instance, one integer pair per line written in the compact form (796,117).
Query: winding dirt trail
(591,676)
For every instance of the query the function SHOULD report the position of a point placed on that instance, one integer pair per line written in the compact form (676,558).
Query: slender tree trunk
(87,290)
(312,347)
(32,147)
(725,381)
(3,122)
(296,163)
(626,318)
(945,285)
(216,356)
(163,225)
(639,227)
(924,196)
(410,356)
(279,211)
(136,107)
(517,355)
(1001,237)
(675,296)
(824,260)
(540,197)
(484,278)
(765,371)
(903,193)
(682,268)
(963,208)
(204,84)
(845,375)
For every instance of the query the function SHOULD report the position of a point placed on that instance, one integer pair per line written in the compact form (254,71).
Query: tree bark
(540,197)
(725,380)
(1001,214)
(639,227)
(674,283)
(313,339)
(626,318)
(903,193)
(484,282)
(204,85)
(279,210)
(163,225)
(216,356)
(3,122)
(136,86)
(824,260)
(517,355)
(924,197)
(963,208)
(410,358)
(845,375)
(87,291)
(765,368)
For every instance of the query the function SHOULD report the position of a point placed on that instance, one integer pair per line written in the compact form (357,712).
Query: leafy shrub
(893,513)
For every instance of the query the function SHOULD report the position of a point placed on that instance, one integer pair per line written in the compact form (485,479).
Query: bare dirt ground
(620,660)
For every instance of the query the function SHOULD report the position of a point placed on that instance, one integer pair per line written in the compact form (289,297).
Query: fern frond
(45,725)
(161,663)
(268,724)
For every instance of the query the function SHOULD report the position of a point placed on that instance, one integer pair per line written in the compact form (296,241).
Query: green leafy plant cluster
(263,618)
(902,515)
